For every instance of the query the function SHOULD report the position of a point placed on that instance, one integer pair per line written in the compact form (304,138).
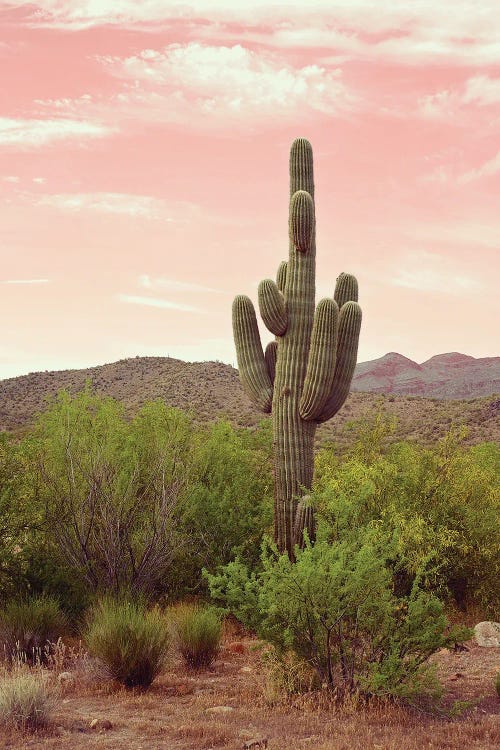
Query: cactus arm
(347,350)
(272,307)
(321,361)
(346,289)
(251,362)
(270,357)
(281,276)
(302,221)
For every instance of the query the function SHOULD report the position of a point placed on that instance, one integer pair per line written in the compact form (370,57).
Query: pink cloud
(144,167)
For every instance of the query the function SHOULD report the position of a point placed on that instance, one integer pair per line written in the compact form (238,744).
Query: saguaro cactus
(305,374)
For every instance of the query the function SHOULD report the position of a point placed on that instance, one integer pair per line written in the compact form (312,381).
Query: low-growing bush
(335,608)
(26,701)
(27,628)
(198,633)
(131,641)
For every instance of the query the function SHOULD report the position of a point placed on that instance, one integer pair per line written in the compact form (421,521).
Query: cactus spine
(305,374)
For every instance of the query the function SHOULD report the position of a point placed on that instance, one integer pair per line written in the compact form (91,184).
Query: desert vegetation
(125,541)
(288,592)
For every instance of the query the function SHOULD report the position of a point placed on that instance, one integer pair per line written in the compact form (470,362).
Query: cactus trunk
(308,369)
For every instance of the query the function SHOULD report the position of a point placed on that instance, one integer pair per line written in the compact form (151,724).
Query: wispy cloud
(148,282)
(234,81)
(206,86)
(488,169)
(11,178)
(465,35)
(156,302)
(447,104)
(482,90)
(25,281)
(138,206)
(31,133)
(429,272)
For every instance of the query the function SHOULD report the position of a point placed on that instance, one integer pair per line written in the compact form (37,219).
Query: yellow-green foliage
(131,641)
(198,633)
(438,507)
(26,701)
(27,628)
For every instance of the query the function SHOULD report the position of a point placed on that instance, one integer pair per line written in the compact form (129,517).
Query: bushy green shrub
(440,507)
(230,500)
(27,628)
(26,701)
(108,489)
(335,608)
(131,641)
(198,632)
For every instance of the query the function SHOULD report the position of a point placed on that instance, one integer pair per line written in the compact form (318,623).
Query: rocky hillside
(210,390)
(447,376)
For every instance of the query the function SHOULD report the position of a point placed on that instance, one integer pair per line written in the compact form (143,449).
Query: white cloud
(409,31)
(147,282)
(488,169)
(439,106)
(482,90)
(39,180)
(182,82)
(11,178)
(25,281)
(39,132)
(204,86)
(139,206)
(448,104)
(428,272)
(156,302)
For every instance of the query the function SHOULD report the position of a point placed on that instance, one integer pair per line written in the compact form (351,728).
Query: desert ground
(232,703)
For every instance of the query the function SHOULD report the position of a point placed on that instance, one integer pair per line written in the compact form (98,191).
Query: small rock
(101,724)
(487,634)
(220,710)
(246,669)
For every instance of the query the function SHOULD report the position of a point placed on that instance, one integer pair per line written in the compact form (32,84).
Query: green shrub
(25,700)
(27,628)
(198,633)
(131,641)
(335,608)
(438,505)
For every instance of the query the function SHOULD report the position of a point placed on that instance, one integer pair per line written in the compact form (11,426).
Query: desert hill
(210,390)
(451,375)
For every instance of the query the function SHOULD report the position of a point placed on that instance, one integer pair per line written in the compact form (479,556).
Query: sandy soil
(225,707)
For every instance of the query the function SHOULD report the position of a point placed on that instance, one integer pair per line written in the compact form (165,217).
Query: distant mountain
(212,390)
(446,376)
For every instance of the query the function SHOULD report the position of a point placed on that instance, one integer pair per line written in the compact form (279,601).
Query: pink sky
(144,171)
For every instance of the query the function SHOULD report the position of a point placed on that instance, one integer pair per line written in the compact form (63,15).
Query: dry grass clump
(286,675)
(198,632)
(26,700)
(131,641)
(27,628)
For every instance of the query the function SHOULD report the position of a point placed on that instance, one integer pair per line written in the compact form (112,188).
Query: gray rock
(487,634)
